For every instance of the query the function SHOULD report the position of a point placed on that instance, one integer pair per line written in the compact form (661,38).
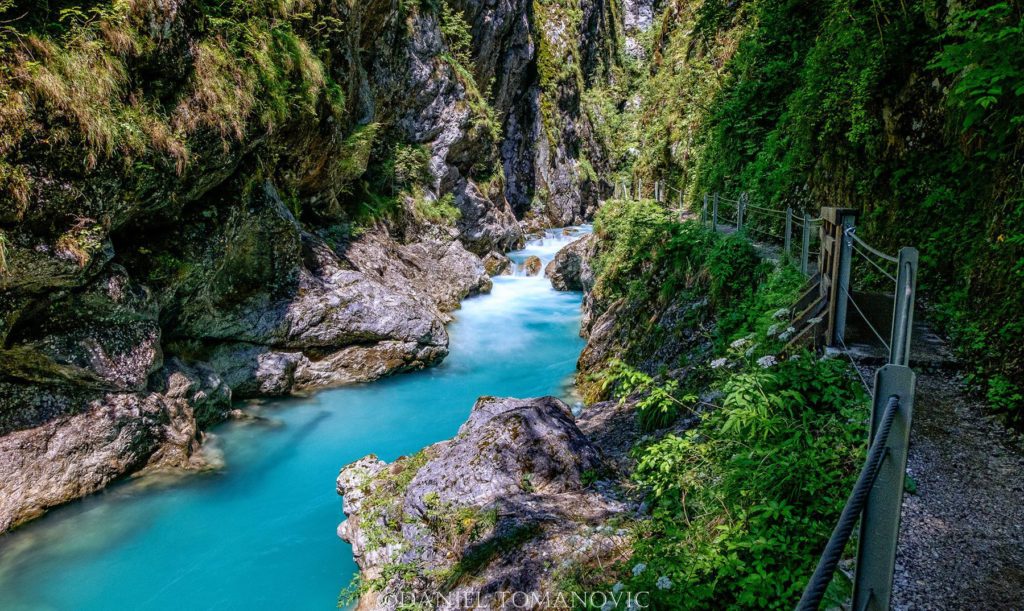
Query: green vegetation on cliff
(742,501)
(910,112)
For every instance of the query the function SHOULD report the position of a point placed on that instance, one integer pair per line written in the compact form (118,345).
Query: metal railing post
(740,209)
(903,309)
(714,217)
(789,231)
(845,227)
(880,522)
(805,252)
(703,211)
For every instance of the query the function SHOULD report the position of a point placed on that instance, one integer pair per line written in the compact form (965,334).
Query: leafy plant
(744,503)
(658,404)
(442,210)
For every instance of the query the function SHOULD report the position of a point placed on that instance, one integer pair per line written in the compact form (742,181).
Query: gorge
(259,532)
(486,270)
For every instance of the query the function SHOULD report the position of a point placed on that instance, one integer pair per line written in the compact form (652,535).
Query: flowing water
(260,533)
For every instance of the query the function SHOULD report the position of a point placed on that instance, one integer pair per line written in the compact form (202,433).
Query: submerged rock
(497,264)
(488,512)
(570,269)
(532,265)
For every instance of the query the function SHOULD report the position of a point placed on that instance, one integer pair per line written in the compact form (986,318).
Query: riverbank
(260,531)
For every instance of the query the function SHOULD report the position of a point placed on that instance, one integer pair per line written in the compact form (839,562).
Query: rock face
(247,239)
(229,246)
(570,269)
(514,479)
(542,57)
(81,450)
(638,17)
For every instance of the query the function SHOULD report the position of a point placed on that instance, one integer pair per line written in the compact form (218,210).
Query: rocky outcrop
(637,18)
(570,269)
(493,511)
(261,234)
(229,244)
(96,437)
(440,272)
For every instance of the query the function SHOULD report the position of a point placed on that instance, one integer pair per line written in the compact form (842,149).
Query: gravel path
(962,534)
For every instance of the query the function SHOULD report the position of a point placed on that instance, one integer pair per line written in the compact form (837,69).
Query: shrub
(441,210)
(744,503)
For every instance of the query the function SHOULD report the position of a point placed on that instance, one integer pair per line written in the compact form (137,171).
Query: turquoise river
(259,533)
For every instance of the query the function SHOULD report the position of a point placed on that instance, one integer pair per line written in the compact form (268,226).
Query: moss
(441,210)
(483,553)
(88,82)
(382,515)
(558,61)
(81,242)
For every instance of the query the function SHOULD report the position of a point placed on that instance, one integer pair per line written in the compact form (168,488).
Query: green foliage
(988,85)
(744,503)
(442,210)
(382,511)
(763,314)
(457,34)
(658,404)
(647,252)
(911,112)
(410,165)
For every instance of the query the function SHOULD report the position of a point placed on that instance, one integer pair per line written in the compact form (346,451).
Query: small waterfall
(545,248)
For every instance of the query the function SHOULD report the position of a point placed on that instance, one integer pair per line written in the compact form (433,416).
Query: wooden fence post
(714,218)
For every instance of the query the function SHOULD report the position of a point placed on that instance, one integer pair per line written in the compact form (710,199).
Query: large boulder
(486,513)
(442,271)
(309,318)
(570,269)
(98,437)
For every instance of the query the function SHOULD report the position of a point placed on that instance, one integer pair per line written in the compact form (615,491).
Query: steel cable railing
(816,587)
(866,320)
(871,261)
(857,239)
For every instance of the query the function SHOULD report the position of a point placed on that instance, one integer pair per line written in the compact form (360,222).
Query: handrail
(877,253)
(815,591)
(875,500)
